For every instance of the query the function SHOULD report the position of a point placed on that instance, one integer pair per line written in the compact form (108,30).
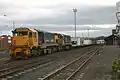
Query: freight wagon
(27,42)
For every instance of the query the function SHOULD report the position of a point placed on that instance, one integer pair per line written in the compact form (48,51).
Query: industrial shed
(112,40)
(5,41)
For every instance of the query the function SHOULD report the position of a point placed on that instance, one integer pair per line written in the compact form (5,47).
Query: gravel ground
(60,58)
(100,66)
(9,63)
(3,57)
(3,54)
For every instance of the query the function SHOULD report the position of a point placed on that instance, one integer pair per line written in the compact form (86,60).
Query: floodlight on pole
(13,22)
(88,34)
(75,10)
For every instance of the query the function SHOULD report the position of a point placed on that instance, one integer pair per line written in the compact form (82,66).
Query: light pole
(88,34)
(75,10)
(82,35)
(13,22)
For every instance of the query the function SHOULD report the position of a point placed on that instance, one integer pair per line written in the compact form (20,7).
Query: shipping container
(100,41)
(87,42)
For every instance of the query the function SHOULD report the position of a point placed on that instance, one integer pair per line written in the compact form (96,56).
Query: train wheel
(58,49)
(49,51)
(45,51)
(55,49)
(26,58)
(67,47)
(41,52)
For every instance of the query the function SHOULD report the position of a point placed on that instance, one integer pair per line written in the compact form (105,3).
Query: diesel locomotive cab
(22,41)
(20,38)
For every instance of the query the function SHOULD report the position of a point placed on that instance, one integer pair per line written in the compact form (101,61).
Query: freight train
(27,42)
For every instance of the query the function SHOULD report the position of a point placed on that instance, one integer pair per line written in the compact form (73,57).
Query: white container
(87,42)
(100,41)
(78,41)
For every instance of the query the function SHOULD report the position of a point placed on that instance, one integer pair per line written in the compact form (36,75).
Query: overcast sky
(57,15)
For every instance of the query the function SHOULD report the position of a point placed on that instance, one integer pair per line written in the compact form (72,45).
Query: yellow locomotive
(23,40)
(27,42)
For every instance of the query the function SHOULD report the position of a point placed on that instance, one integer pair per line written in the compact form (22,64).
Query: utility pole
(13,25)
(88,34)
(75,10)
(13,22)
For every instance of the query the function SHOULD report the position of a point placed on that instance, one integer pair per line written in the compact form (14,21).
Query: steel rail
(7,71)
(81,66)
(48,76)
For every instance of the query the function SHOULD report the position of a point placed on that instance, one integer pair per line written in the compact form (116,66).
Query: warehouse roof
(110,37)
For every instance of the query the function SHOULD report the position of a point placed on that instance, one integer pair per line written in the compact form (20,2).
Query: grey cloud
(62,15)
(94,31)
(70,28)
(98,15)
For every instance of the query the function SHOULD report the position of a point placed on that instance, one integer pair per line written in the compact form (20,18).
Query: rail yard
(40,55)
(13,67)
(84,63)
(41,43)
(32,49)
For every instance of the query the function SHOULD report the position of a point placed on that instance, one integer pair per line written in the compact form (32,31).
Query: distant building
(112,40)
(5,41)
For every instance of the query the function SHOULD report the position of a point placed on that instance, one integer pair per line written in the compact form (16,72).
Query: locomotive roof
(37,30)
(33,30)
(43,31)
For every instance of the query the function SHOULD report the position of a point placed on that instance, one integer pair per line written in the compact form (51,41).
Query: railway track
(69,70)
(20,68)
(6,72)
(10,70)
